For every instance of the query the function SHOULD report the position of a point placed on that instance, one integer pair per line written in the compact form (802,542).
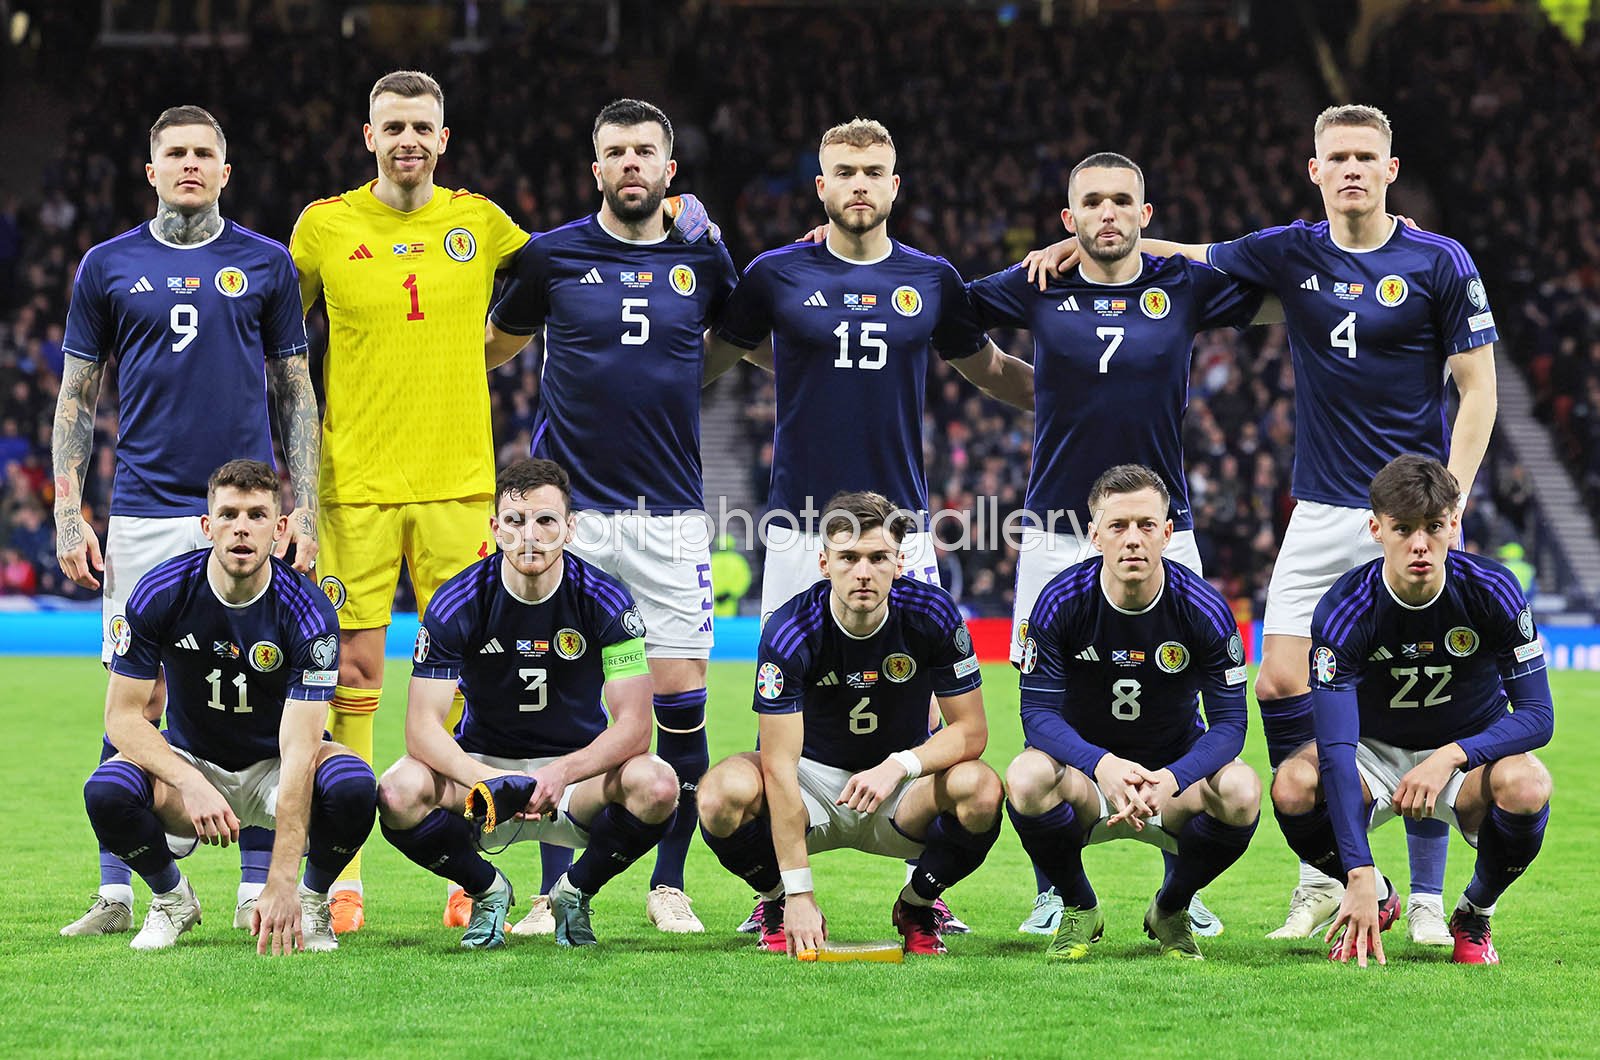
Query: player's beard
(854,221)
(1109,255)
(640,210)
(414,178)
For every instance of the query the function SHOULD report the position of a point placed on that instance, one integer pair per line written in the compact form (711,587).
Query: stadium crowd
(986,136)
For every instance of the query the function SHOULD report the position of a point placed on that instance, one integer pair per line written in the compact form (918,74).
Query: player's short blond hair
(1125,478)
(407,84)
(1353,114)
(857,132)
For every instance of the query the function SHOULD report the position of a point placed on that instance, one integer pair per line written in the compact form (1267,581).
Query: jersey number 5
(633,313)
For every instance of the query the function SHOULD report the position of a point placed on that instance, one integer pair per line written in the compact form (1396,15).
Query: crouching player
(1415,657)
(251,655)
(846,670)
(1116,649)
(535,636)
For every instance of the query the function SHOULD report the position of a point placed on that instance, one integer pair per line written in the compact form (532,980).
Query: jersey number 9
(185,321)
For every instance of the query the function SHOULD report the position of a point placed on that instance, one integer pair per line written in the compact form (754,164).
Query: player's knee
(402,798)
(1294,789)
(1238,794)
(111,793)
(1277,680)
(346,788)
(977,793)
(723,798)
(650,788)
(1521,785)
(1029,781)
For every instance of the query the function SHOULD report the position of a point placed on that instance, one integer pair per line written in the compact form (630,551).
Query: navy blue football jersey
(1111,373)
(1369,333)
(850,345)
(229,667)
(864,698)
(1423,677)
(624,352)
(190,329)
(1096,678)
(531,670)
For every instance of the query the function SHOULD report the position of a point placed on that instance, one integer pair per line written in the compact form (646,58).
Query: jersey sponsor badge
(1324,666)
(333,589)
(633,622)
(320,678)
(231,281)
(1030,656)
(1392,290)
(1155,304)
(121,635)
(1172,657)
(569,643)
(266,656)
(907,301)
(1234,675)
(1524,652)
(899,667)
(1461,641)
(769,681)
(459,244)
(325,651)
(1236,648)
(420,652)
(963,639)
(966,666)
(1525,624)
(1475,293)
(1481,321)
(683,280)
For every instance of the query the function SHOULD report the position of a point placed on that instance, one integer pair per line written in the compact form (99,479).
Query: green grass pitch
(402,987)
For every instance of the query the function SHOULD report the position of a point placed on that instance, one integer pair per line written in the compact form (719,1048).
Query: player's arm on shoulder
(722,355)
(500,346)
(77,546)
(522,306)
(1474,375)
(300,429)
(999,375)
(305,247)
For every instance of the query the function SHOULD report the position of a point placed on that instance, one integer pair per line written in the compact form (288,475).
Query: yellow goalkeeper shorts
(361,545)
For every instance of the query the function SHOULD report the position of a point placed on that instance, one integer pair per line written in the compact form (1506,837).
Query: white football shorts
(1382,766)
(791,565)
(1323,541)
(135,544)
(665,562)
(834,827)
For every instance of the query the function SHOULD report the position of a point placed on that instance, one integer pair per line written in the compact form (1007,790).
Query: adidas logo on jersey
(1069,306)
(1088,655)
(142,286)
(1380,655)
(1310,284)
(829,680)
(188,643)
(492,648)
(817,301)
(361,253)
(592,276)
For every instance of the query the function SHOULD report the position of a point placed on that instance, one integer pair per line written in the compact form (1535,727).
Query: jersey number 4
(1343,336)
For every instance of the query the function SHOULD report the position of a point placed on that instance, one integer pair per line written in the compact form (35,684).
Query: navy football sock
(1287,725)
(120,803)
(950,855)
(1054,840)
(553,861)
(344,801)
(1206,848)
(443,844)
(255,853)
(1427,844)
(1041,881)
(616,840)
(748,854)
(1507,844)
(681,742)
(113,871)
(1310,836)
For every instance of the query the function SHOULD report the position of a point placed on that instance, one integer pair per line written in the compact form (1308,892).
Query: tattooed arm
(300,429)
(77,546)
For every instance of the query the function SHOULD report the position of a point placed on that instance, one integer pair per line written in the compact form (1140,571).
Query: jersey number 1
(416,303)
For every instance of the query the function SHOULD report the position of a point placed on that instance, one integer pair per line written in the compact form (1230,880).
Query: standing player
(1417,654)
(1112,345)
(846,671)
(624,310)
(535,637)
(1377,313)
(199,316)
(250,652)
(1117,649)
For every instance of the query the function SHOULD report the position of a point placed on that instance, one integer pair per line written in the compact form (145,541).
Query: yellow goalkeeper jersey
(407,294)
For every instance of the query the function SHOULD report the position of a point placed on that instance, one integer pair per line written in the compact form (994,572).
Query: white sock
(183,885)
(452,890)
(1316,880)
(911,897)
(1435,901)
(563,886)
(911,870)
(345,885)
(248,891)
(773,895)
(118,892)
(302,890)
(1480,910)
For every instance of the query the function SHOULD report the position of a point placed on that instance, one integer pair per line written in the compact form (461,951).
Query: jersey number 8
(1125,699)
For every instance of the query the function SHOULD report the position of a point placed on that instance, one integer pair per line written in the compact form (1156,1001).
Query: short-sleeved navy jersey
(190,329)
(1111,372)
(531,671)
(850,345)
(1127,682)
(624,335)
(864,698)
(1369,333)
(229,667)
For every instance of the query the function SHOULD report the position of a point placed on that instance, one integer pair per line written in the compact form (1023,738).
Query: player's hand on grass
(1120,780)
(303,536)
(1358,920)
(689,220)
(866,790)
(78,550)
(803,927)
(1418,791)
(550,782)
(276,921)
(818,234)
(1049,264)
(210,815)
